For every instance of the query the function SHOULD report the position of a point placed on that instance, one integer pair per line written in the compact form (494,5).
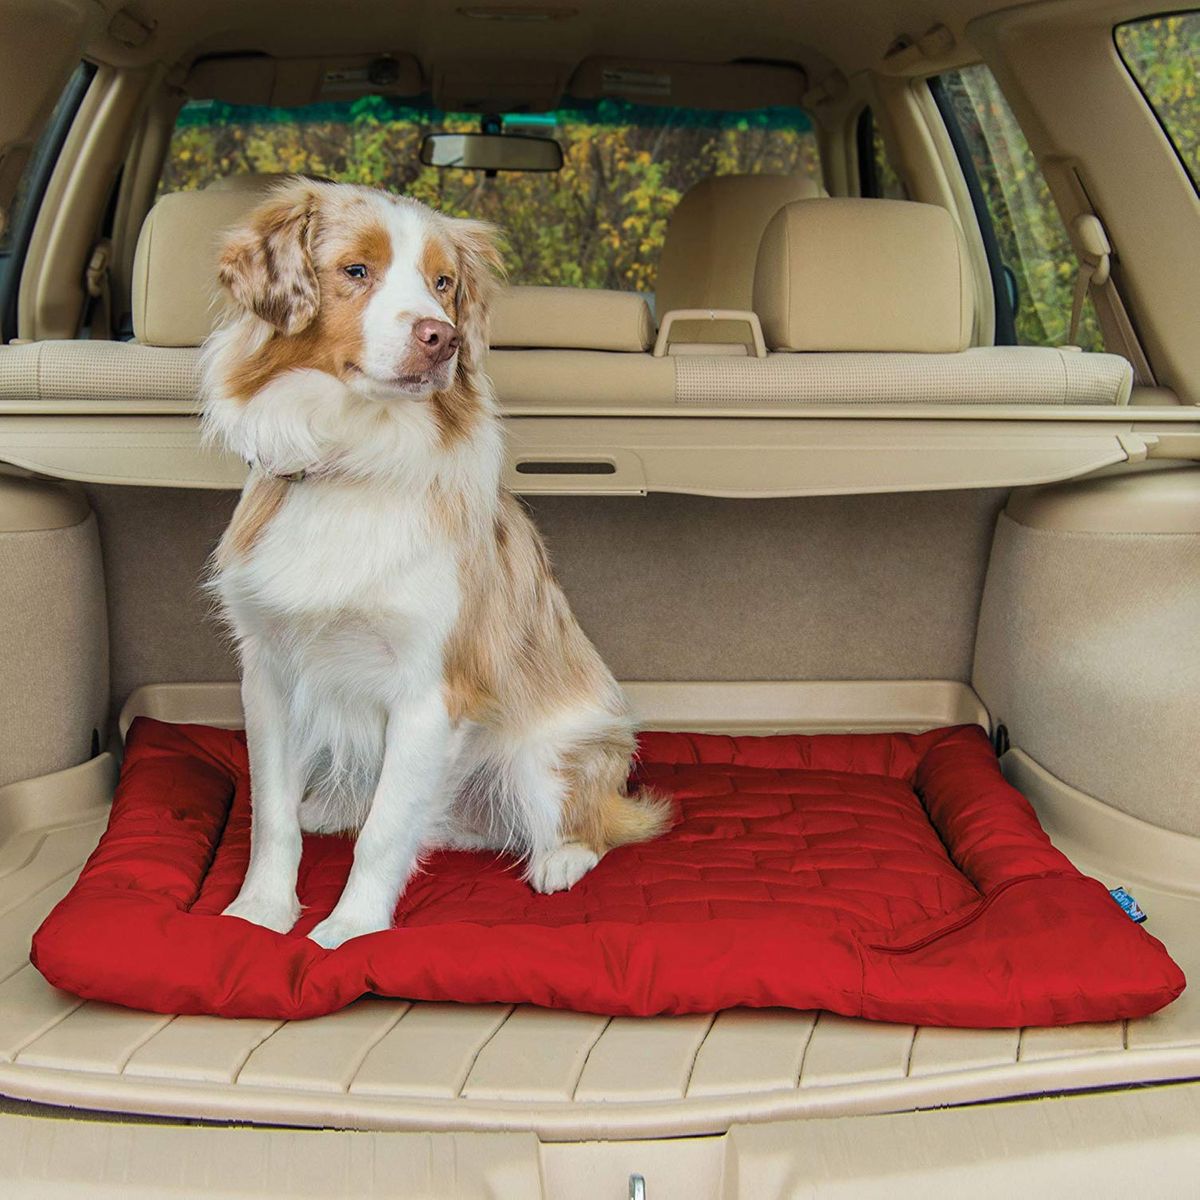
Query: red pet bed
(890,876)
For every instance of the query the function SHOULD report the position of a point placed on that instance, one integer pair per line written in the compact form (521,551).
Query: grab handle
(734,316)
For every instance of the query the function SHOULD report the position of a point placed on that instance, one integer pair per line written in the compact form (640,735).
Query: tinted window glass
(1163,55)
(877,176)
(1039,261)
(16,231)
(599,222)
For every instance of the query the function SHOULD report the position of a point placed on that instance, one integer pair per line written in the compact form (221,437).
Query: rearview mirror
(491,152)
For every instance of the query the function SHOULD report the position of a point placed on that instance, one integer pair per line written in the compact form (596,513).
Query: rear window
(599,222)
(1039,264)
(1163,55)
(41,158)
(876,175)
(16,231)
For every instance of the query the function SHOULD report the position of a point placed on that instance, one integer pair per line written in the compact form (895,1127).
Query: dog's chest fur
(349,586)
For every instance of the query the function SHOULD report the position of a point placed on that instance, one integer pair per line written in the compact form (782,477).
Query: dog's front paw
(338,928)
(562,868)
(277,913)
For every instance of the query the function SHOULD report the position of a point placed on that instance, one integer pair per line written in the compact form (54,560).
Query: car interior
(848,364)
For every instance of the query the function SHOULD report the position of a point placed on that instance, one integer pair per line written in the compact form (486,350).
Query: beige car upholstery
(875,335)
(587,381)
(54,629)
(864,275)
(708,257)
(571,319)
(1017,375)
(1089,638)
(175,293)
(252,181)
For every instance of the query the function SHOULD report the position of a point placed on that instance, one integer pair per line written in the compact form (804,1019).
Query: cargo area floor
(385,1064)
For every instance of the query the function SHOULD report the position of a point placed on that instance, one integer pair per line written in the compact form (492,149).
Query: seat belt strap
(98,280)
(1095,265)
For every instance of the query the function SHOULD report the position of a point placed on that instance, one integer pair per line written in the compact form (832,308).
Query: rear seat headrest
(864,275)
(256,181)
(571,319)
(176,297)
(707,260)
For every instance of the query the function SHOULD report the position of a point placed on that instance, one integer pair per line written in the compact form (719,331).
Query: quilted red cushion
(891,876)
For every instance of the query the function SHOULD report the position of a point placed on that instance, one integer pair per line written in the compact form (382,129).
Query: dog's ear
(480,268)
(267,263)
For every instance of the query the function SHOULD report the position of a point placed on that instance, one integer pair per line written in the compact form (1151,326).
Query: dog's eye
(442,282)
(356,271)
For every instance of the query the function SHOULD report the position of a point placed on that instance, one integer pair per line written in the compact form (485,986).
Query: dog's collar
(291,477)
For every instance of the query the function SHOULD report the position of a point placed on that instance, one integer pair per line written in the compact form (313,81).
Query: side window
(1163,56)
(1033,264)
(17,229)
(876,175)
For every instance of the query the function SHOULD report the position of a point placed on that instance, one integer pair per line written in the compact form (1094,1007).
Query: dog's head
(379,290)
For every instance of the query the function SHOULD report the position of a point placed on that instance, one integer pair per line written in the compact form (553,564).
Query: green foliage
(599,222)
(1032,240)
(891,186)
(1163,54)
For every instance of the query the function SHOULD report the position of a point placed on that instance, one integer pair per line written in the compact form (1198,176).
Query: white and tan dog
(411,669)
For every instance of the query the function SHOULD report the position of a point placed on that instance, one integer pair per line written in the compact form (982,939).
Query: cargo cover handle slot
(567,472)
(719,340)
(559,467)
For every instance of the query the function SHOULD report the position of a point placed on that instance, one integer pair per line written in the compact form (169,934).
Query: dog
(411,669)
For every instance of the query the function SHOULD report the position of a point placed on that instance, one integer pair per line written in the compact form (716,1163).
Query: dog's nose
(437,340)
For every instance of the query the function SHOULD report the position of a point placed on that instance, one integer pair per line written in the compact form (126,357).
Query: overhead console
(489,86)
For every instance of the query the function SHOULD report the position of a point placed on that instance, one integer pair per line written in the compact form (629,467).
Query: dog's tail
(619,820)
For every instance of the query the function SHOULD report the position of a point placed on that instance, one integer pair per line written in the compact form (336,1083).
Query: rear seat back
(869,302)
(863,303)
(255,181)
(708,257)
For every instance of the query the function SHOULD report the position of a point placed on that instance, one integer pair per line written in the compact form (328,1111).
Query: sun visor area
(689,85)
(498,86)
(291,82)
(491,86)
